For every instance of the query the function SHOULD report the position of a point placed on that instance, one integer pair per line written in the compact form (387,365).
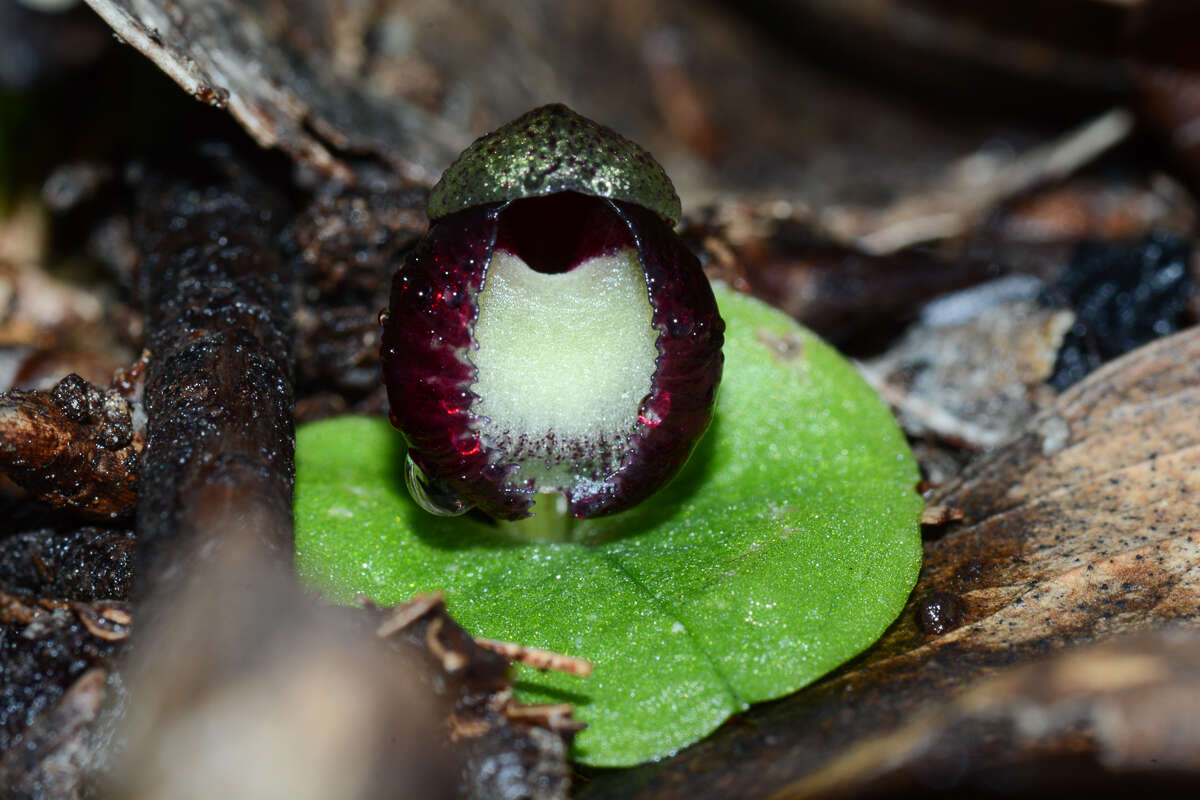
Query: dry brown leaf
(1083,528)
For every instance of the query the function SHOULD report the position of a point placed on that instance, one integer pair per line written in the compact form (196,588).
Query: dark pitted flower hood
(552,149)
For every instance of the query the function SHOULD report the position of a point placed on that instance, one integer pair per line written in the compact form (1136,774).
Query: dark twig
(218,459)
(221,615)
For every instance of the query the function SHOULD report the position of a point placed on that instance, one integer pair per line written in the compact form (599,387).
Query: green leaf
(785,547)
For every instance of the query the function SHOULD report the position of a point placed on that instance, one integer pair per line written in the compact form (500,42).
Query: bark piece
(73,447)
(225,53)
(972,370)
(304,705)
(321,702)
(306,698)
(1127,706)
(244,687)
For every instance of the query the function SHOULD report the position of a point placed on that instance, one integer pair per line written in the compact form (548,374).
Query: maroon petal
(429,330)
(679,407)
(426,334)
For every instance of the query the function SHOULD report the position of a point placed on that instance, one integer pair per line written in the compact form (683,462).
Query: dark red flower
(551,332)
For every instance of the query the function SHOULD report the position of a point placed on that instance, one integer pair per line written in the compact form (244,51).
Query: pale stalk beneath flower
(550,521)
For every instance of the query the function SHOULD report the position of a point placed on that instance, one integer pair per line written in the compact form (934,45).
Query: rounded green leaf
(785,547)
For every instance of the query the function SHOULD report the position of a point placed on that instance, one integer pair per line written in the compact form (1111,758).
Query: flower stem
(550,521)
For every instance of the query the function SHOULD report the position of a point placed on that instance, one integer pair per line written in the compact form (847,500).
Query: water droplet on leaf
(430,496)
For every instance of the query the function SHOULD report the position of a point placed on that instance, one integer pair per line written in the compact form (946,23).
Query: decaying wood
(55,753)
(228,637)
(1080,530)
(345,246)
(1130,704)
(221,53)
(88,563)
(327,702)
(246,687)
(57,656)
(214,522)
(74,447)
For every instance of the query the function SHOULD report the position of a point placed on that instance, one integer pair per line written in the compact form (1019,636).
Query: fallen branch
(217,467)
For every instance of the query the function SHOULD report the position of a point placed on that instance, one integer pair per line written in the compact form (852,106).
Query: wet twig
(221,613)
(218,458)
